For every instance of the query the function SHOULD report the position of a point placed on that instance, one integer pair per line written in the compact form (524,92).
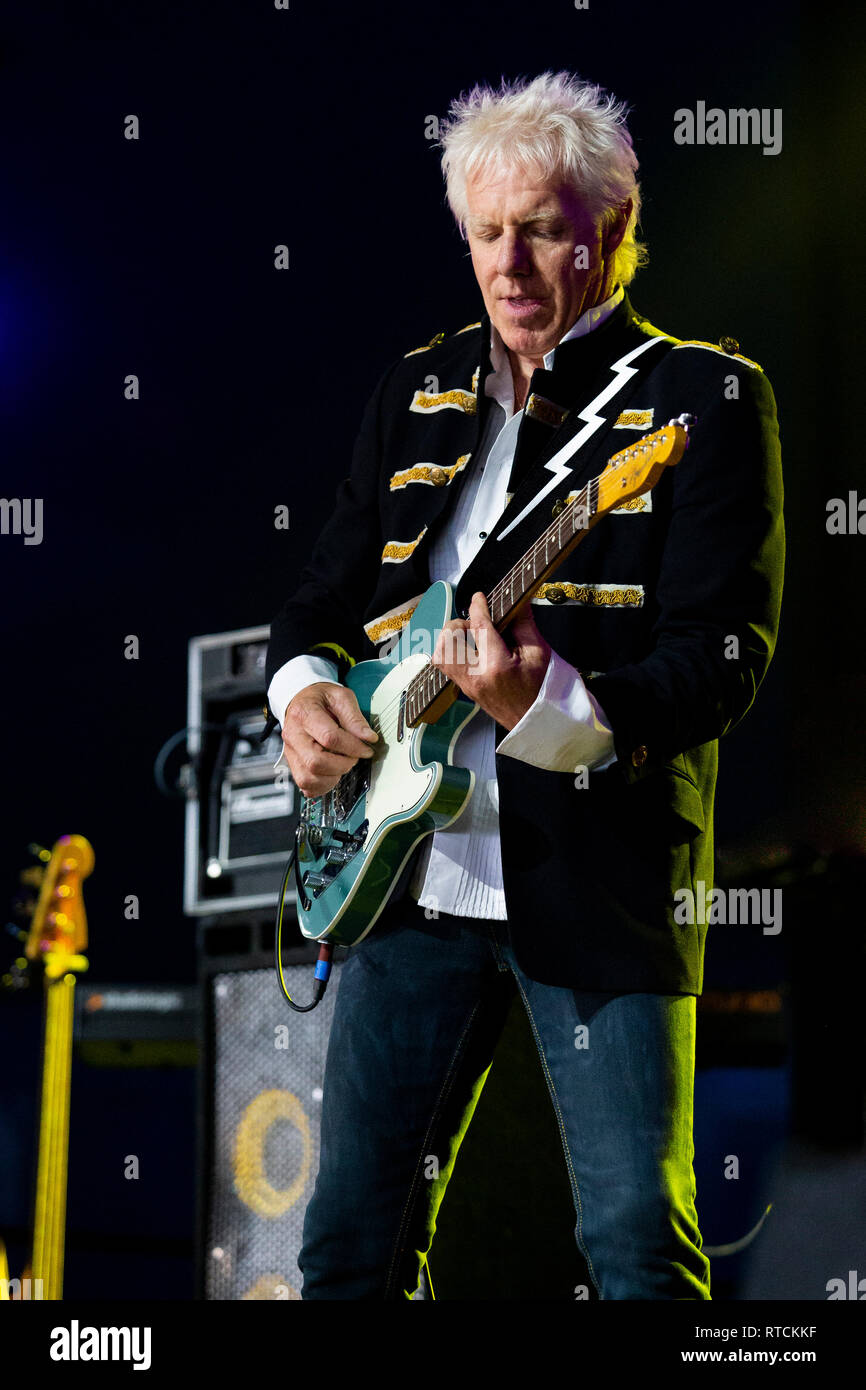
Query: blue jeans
(420,1008)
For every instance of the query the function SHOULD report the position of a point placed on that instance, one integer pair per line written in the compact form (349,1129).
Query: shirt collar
(500,384)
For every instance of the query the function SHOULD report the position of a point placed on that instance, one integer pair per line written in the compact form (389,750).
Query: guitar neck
(562,535)
(49,1222)
(432,690)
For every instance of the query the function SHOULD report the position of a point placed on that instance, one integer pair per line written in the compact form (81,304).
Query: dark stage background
(155,257)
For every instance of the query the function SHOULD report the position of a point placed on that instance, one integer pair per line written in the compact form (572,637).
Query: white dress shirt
(459,869)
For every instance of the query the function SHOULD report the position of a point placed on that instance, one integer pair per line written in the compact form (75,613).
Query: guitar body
(355,841)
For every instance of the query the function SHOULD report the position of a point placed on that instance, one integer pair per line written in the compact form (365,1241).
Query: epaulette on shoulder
(725,347)
(440,338)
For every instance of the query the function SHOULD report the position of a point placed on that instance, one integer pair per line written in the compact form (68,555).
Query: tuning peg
(18,934)
(39,852)
(32,877)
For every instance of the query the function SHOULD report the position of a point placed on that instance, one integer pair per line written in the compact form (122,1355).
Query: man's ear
(616,228)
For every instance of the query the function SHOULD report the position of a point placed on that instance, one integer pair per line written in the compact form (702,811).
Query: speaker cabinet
(262,1090)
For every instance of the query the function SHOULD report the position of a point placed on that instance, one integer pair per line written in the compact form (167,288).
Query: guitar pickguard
(399,781)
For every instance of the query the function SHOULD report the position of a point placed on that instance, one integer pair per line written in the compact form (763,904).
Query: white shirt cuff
(293,677)
(565,728)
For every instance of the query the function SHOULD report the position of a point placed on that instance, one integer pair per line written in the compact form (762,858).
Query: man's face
(525,238)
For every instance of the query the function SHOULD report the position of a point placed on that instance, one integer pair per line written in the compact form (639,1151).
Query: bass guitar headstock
(58,929)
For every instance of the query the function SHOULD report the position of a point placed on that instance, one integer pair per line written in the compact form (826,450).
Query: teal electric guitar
(352,843)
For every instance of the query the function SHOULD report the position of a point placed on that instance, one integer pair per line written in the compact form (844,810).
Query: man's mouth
(521,305)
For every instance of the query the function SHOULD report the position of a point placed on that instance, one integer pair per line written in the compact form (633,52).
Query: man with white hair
(595,748)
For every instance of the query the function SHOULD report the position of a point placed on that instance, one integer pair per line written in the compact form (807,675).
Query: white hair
(554,125)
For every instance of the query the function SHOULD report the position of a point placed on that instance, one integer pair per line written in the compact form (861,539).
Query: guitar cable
(322,972)
(323,961)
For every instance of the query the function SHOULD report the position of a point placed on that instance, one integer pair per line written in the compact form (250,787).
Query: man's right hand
(324,735)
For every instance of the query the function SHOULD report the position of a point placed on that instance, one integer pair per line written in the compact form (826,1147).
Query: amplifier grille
(266,1093)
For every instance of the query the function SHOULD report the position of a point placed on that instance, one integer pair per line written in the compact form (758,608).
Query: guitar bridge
(350,788)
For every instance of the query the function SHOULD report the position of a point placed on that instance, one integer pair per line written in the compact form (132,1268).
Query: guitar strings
(389,717)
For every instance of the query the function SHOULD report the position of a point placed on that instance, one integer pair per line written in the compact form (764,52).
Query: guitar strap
(562,467)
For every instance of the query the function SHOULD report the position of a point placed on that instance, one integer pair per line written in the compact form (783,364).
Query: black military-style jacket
(669,608)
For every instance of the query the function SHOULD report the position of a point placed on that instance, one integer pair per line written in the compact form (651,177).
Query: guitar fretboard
(566,529)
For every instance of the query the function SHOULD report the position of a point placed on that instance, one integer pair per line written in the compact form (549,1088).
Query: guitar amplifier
(241,814)
(259,1131)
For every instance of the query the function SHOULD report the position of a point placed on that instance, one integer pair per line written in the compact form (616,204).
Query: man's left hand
(504,679)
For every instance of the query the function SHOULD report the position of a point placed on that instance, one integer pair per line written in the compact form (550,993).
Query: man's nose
(514,257)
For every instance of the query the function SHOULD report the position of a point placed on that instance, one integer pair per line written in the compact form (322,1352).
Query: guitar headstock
(58,930)
(638,468)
